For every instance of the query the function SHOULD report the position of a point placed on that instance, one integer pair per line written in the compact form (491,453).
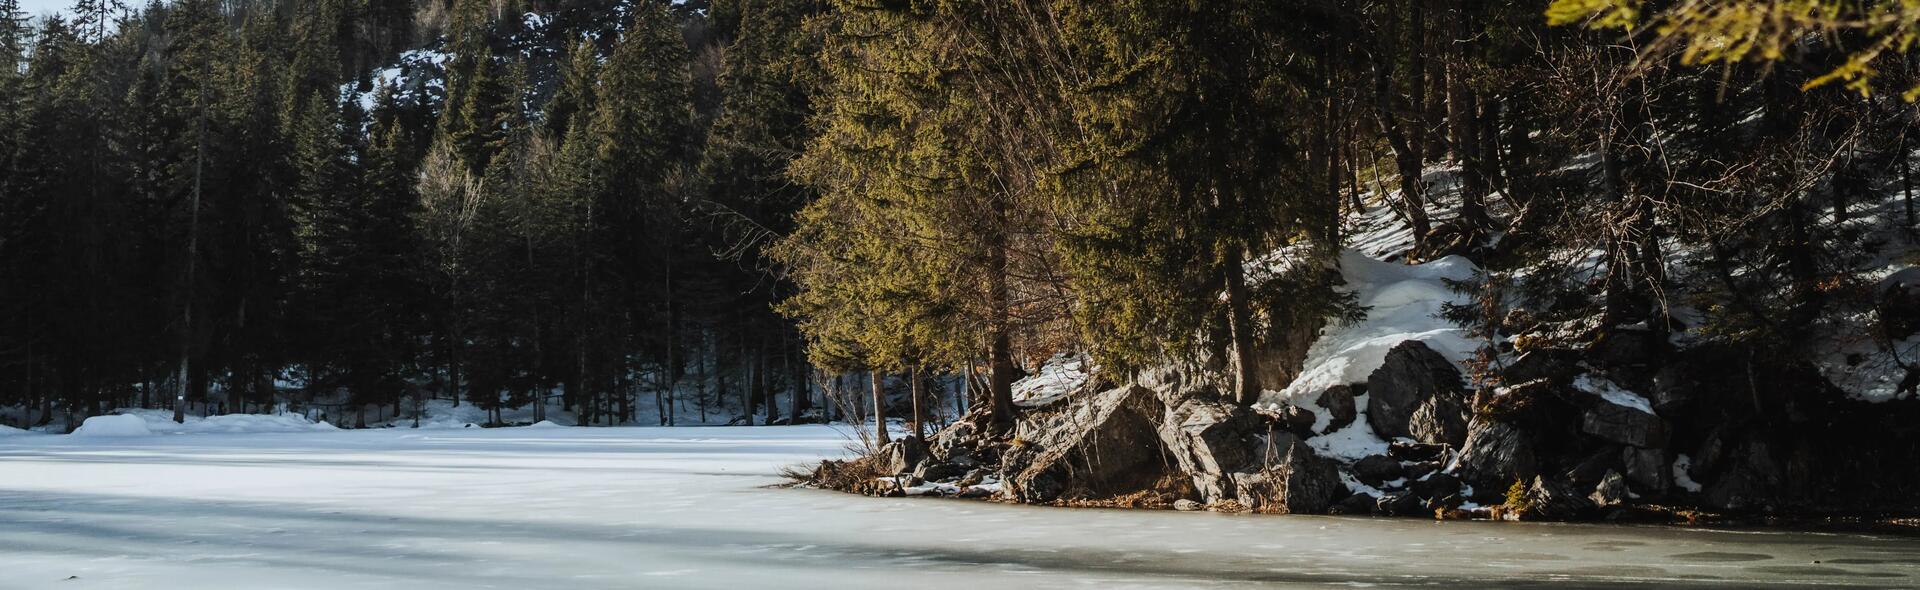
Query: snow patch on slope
(1353,443)
(1063,374)
(1607,390)
(1403,303)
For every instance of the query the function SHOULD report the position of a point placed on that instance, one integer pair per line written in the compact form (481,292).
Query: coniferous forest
(731,207)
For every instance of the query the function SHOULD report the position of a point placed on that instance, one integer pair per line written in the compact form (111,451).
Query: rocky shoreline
(1717,439)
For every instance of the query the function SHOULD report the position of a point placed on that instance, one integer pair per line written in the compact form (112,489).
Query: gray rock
(902,456)
(1411,452)
(1546,363)
(1103,444)
(1751,479)
(1297,420)
(1596,465)
(1496,455)
(1400,504)
(1300,482)
(1555,499)
(1209,439)
(1420,469)
(1674,386)
(1612,490)
(1353,504)
(1338,401)
(1185,505)
(1440,420)
(1374,470)
(1647,469)
(1620,424)
(1439,488)
(1411,374)
(941,471)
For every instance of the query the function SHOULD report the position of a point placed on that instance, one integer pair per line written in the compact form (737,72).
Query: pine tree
(1187,171)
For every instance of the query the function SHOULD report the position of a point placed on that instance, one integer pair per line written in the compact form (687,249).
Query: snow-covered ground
(691,508)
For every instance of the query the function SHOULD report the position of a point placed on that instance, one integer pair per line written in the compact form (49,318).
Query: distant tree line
(375,202)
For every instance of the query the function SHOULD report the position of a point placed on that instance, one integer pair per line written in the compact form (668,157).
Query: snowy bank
(1403,302)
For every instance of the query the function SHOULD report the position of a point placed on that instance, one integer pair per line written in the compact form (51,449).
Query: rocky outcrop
(1496,454)
(1297,482)
(1106,444)
(1411,375)
(901,456)
(1440,420)
(1624,425)
(1209,440)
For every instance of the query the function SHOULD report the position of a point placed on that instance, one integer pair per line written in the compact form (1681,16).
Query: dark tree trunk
(879,409)
(1246,377)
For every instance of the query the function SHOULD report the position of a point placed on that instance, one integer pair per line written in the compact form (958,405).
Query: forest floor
(696,507)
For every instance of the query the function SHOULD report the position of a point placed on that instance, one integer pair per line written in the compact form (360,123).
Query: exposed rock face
(1440,420)
(1612,490)
(1297,420)
(1624,425)
(1210,439)
(1439,490)
(1647,469)
(1555,499)
(902,456)
(1108,443)
(1544,363)
(1374,470)
(1412,374)
(1299,482)
(1750,479)
(1496,455)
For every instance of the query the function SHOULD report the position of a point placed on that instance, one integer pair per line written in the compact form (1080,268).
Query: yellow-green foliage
(1729,31)
(1519,500)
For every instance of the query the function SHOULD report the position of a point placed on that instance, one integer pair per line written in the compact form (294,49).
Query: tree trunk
(919,389)
(1463,125)
(1246,378)
(879,409)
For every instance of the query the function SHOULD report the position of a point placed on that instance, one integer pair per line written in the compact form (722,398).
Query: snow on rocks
(1063,374)
(1403,302)
(6,431)
(1683,475)
(118,425)
(1355,442)
(1607,390)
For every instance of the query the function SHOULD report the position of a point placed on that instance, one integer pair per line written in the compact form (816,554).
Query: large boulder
(1297,482)
(1496,455)
(1647,469)
(1411,374)
(1440,420)
(1209,439)
(901,456)
(1750,479)
(1375,470)
(1624,425)
(1555,499)
(1556,364)
(1101,445)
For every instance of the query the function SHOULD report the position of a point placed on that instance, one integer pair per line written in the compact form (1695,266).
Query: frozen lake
(689,508)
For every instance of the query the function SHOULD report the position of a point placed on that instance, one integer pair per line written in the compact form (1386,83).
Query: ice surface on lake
(690,508)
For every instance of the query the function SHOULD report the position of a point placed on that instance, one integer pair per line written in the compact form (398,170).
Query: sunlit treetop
(1731,31)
